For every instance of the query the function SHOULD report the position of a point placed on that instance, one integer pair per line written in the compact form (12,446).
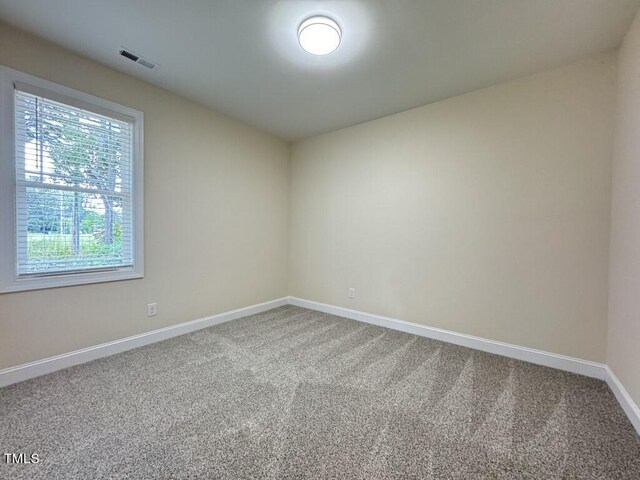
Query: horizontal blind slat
(63,101)
(73,188)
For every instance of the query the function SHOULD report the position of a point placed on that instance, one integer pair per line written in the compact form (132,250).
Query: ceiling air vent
(126,53)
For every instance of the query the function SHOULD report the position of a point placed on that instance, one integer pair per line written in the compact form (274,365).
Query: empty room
(314,239)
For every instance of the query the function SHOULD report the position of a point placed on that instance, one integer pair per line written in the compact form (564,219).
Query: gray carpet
(293,393)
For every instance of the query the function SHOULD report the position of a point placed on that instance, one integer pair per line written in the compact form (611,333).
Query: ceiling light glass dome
(319,35)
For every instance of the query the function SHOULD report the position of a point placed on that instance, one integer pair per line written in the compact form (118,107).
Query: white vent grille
(134,57)
(146,63)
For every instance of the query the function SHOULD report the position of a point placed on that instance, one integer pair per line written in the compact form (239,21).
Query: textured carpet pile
(293,393)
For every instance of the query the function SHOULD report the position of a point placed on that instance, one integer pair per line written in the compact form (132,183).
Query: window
(70,186)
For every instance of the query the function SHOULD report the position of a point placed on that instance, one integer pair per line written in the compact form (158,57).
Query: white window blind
(74,179)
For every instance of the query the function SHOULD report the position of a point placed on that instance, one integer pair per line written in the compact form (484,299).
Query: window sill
(39,283)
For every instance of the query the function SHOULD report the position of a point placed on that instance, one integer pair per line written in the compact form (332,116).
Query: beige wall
(486,214)
(216,213)
(623,352)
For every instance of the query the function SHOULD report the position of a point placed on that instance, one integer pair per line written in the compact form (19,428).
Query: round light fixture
(319,35)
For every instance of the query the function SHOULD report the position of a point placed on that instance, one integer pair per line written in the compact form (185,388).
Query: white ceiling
(241,57)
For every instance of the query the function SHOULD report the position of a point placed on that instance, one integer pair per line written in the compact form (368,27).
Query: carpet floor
(294,393)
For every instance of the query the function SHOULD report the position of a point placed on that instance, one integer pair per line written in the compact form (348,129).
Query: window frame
(9,279)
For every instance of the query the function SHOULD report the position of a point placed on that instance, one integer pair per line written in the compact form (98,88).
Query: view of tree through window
(74,185)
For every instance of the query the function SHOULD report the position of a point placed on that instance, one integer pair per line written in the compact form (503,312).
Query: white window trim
(9,280)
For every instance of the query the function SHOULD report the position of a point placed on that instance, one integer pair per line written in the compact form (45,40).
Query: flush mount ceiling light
(319,35)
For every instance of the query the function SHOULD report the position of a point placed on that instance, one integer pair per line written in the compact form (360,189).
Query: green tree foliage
(86,152)
(92,222)
(43,211)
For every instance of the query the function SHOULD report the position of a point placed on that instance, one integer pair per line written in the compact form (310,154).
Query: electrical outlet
(352,293)
(152,309)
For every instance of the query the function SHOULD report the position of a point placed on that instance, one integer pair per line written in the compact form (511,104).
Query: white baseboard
(600,371)
(65,360)
(624,399)
(553,360)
